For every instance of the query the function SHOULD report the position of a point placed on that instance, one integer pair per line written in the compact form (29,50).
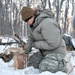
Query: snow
(8,68)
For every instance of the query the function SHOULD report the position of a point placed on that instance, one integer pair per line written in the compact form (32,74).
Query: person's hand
(27,50)
(33,45)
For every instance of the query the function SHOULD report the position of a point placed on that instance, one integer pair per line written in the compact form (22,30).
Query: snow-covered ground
(8,68)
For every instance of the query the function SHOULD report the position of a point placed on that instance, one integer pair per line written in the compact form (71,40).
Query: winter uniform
(45,35)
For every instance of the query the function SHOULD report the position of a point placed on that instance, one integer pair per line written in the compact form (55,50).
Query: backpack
(68,42)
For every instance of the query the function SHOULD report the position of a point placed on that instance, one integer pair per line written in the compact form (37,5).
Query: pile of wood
(19,57)
(6,57)
(16,53)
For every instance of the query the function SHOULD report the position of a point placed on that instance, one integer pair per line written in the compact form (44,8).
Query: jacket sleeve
(51,36)
(30,40)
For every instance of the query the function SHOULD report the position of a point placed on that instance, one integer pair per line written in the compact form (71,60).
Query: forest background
(11,22)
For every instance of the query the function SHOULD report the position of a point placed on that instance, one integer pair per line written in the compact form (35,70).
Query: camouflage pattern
(53,63)
(35,59)
(46,36)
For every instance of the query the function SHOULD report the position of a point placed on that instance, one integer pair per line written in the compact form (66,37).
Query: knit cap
(27,12)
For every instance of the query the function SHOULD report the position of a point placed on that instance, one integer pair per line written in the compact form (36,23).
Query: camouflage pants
(52,62)
(35,59)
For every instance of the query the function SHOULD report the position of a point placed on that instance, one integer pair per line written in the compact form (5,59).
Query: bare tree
(10,19)
(43,3)
(65,15)
(49,3)
(0,17)
(73,14)
(27,2)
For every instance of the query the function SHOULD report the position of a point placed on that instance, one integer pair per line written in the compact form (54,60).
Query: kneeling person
(45,35)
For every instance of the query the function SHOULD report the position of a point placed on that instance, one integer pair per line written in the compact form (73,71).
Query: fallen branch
(20,41)
(8,43)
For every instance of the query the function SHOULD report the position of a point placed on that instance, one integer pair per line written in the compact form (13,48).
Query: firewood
(19,57)
(6,57)
(20,41)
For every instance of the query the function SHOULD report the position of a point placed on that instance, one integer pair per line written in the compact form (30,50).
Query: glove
(33,45)
(27,50)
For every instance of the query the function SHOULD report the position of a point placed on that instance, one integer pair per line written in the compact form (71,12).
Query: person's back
(51,33)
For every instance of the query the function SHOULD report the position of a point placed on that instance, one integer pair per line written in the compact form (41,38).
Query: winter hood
(43,14)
